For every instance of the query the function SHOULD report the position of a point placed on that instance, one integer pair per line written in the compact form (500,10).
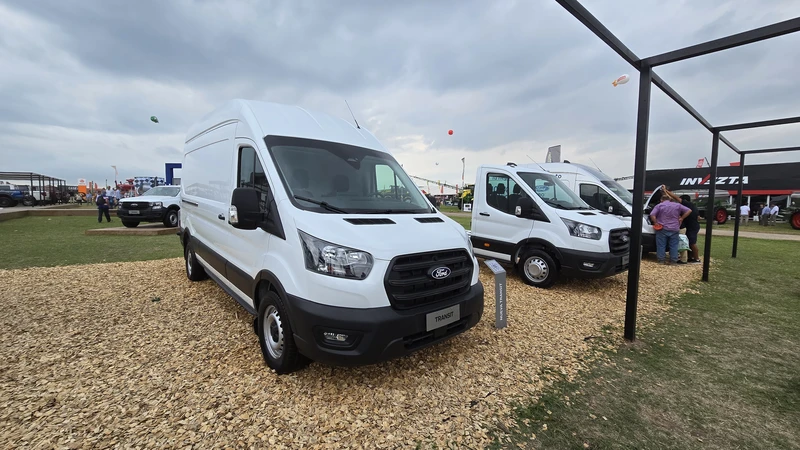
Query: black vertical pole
(712,192)
(639,166)
(738,206)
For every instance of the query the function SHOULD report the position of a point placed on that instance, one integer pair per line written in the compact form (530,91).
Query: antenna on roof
(537,163)
(595,164)
(351,113)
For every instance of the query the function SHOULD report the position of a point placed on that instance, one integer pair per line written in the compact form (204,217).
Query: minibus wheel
(537,268)
(275,335)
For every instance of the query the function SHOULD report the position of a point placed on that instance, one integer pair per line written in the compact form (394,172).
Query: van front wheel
(537,268)
(276,336)
(194,271)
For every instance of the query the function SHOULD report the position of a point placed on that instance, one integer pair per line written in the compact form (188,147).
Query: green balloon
(154,119)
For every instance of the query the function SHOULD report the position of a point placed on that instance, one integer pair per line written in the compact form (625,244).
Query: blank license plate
(625,259)
(133,213)
(442,317)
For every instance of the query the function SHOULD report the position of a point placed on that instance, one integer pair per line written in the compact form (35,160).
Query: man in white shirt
(773,214)
(744,214)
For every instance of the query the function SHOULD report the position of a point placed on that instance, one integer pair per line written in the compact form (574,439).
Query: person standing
(102,206)
(773,214)
(691,224)
(744,213)
(667,217)
(765,212)
(117,196)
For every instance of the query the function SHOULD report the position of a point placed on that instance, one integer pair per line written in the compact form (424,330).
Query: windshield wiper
(325,205)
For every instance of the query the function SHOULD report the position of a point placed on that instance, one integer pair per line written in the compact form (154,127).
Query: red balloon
(450,132)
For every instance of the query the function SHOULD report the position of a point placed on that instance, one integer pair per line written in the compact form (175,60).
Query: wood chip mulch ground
(133,355)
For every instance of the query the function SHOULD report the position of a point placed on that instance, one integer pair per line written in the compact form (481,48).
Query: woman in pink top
(669,215)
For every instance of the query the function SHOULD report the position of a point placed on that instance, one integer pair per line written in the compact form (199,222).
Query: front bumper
(379,334)
(144,215)
(576,263)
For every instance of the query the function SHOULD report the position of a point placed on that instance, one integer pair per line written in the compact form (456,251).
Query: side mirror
(244,211)
(524,208)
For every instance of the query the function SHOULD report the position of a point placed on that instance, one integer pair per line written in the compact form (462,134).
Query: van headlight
(335,260)
(582,230)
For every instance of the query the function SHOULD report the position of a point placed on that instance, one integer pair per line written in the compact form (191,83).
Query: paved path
(756,235)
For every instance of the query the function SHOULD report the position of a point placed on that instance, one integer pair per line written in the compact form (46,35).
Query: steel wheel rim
(189,262)
(536,269)
(273,332)
(796,220)
(173,218)
(721,216)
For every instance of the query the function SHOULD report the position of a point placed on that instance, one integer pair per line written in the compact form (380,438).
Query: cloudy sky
(80,80)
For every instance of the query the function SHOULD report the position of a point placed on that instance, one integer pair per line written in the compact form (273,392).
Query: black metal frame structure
(45,183)
(646,78)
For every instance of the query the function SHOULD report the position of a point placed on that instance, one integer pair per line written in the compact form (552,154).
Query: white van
(600,191)
(526,216)
(313,227)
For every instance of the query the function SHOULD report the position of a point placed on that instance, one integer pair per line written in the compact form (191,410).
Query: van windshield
(552,191)
(329,177)
(621,192)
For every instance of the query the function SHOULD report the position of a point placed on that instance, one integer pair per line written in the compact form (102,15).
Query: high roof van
(314,228)
(601,192)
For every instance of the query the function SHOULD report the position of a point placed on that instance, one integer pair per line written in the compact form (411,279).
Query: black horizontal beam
(583,15)
(725,43)
(729,144)
(763,123)
(771,150)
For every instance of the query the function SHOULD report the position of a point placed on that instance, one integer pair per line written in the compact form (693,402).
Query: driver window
(386,181)
(251,175)
(502,192)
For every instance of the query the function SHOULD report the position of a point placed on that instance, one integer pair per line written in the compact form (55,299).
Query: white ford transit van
(602,192)
(526,216)
(313,227)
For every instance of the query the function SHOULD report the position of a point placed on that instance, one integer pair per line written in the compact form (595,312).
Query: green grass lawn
(448,209)
(721,370)
(59,241)
(463,220)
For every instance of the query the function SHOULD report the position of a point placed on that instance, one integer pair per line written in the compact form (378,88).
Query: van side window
(251,174)
(502,192)
(600,199)
(386,182)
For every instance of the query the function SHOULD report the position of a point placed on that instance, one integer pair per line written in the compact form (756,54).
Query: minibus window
(552,191)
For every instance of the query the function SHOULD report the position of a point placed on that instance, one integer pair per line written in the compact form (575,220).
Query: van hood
(384,240)
(595,218)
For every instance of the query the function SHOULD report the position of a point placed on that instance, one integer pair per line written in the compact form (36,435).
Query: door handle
(221,217)
(484,214)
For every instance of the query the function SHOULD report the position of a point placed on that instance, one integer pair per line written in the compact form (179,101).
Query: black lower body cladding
(602,264)
(376,334)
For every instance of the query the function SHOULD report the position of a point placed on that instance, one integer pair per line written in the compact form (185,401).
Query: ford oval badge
(440,273)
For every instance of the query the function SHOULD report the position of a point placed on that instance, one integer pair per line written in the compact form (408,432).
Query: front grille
(135,205)
(619,241)
(409,283)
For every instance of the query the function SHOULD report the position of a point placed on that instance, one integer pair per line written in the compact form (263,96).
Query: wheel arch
(269,281)
(539,244)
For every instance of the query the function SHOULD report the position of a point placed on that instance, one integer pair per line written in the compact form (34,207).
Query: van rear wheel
(275,335)
(194,271)
(537,268)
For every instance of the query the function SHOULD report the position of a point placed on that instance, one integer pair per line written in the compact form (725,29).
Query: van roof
(269,118)
(574,168)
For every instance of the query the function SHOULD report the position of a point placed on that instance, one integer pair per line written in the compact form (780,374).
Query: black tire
(29,200)
(795,220)
(7,202)
(542,261)
(171,218)
(128,224)
(721,215)
(272,323)
(194,271)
